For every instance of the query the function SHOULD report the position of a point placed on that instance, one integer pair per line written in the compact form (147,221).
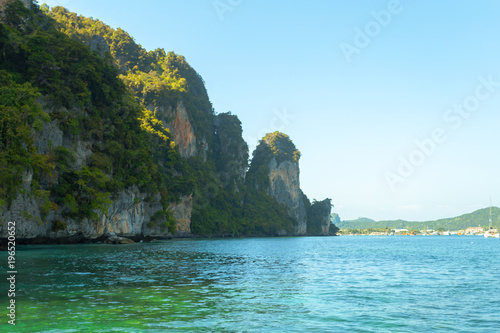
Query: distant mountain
(477,218)
(361,220)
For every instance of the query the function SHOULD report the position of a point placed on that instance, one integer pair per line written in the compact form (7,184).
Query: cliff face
(285,188)
(325,211)
(182,212)
(275,168)
(319,221)
(128,215)
(133,147)
(231,151)
(177,121)
(90,160)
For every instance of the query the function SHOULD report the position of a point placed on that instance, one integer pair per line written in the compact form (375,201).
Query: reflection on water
(398,284)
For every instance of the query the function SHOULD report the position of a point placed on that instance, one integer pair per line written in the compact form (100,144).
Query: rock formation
(98,44)
(318,215)
(232,150)
(278,160)
(177,121)
(173,169)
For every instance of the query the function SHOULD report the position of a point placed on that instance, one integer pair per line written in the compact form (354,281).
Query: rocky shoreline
(112,238)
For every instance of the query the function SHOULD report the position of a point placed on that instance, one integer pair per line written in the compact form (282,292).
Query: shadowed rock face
(182,213)
(99,45)
(319,218)
(278,157)
(231,151)
(285,188)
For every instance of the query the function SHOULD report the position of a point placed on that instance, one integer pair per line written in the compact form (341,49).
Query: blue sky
(380,128)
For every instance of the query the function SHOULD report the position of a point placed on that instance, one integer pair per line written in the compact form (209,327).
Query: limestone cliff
(182,212)
(275,168)
(285,188)
(92,174)
(177,121)
(323,210)
(128,215)
(123,141)
(318,217)
(231,151)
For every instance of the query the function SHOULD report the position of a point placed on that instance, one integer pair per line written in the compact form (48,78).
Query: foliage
(63,69)
(111,105)
(19,115)
(155,77)
(334,230)
(58,225)
(264,215)
(368,231)
(282,147)
(15,14)
(253,212)
(91,104)
(258,173)
(230,148)
(317,215)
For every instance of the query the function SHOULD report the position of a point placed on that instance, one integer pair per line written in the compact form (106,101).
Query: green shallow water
(331,284)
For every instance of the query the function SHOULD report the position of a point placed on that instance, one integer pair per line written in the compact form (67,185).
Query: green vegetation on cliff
(227,203)
(282,147)
(19,115)
(156,78)
(318,215)
(82,94)
(106,101)
(222,203)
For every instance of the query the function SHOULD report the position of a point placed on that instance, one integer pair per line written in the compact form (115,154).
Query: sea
(293,284)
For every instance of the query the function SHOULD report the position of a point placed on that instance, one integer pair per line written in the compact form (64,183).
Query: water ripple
(346,284)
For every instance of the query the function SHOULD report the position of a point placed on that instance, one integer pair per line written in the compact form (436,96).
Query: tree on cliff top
(281,146)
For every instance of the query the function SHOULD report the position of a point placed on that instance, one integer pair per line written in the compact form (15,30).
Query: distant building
(473,230)
(378,233)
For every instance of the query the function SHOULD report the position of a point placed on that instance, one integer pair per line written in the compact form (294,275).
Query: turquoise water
(318,284)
